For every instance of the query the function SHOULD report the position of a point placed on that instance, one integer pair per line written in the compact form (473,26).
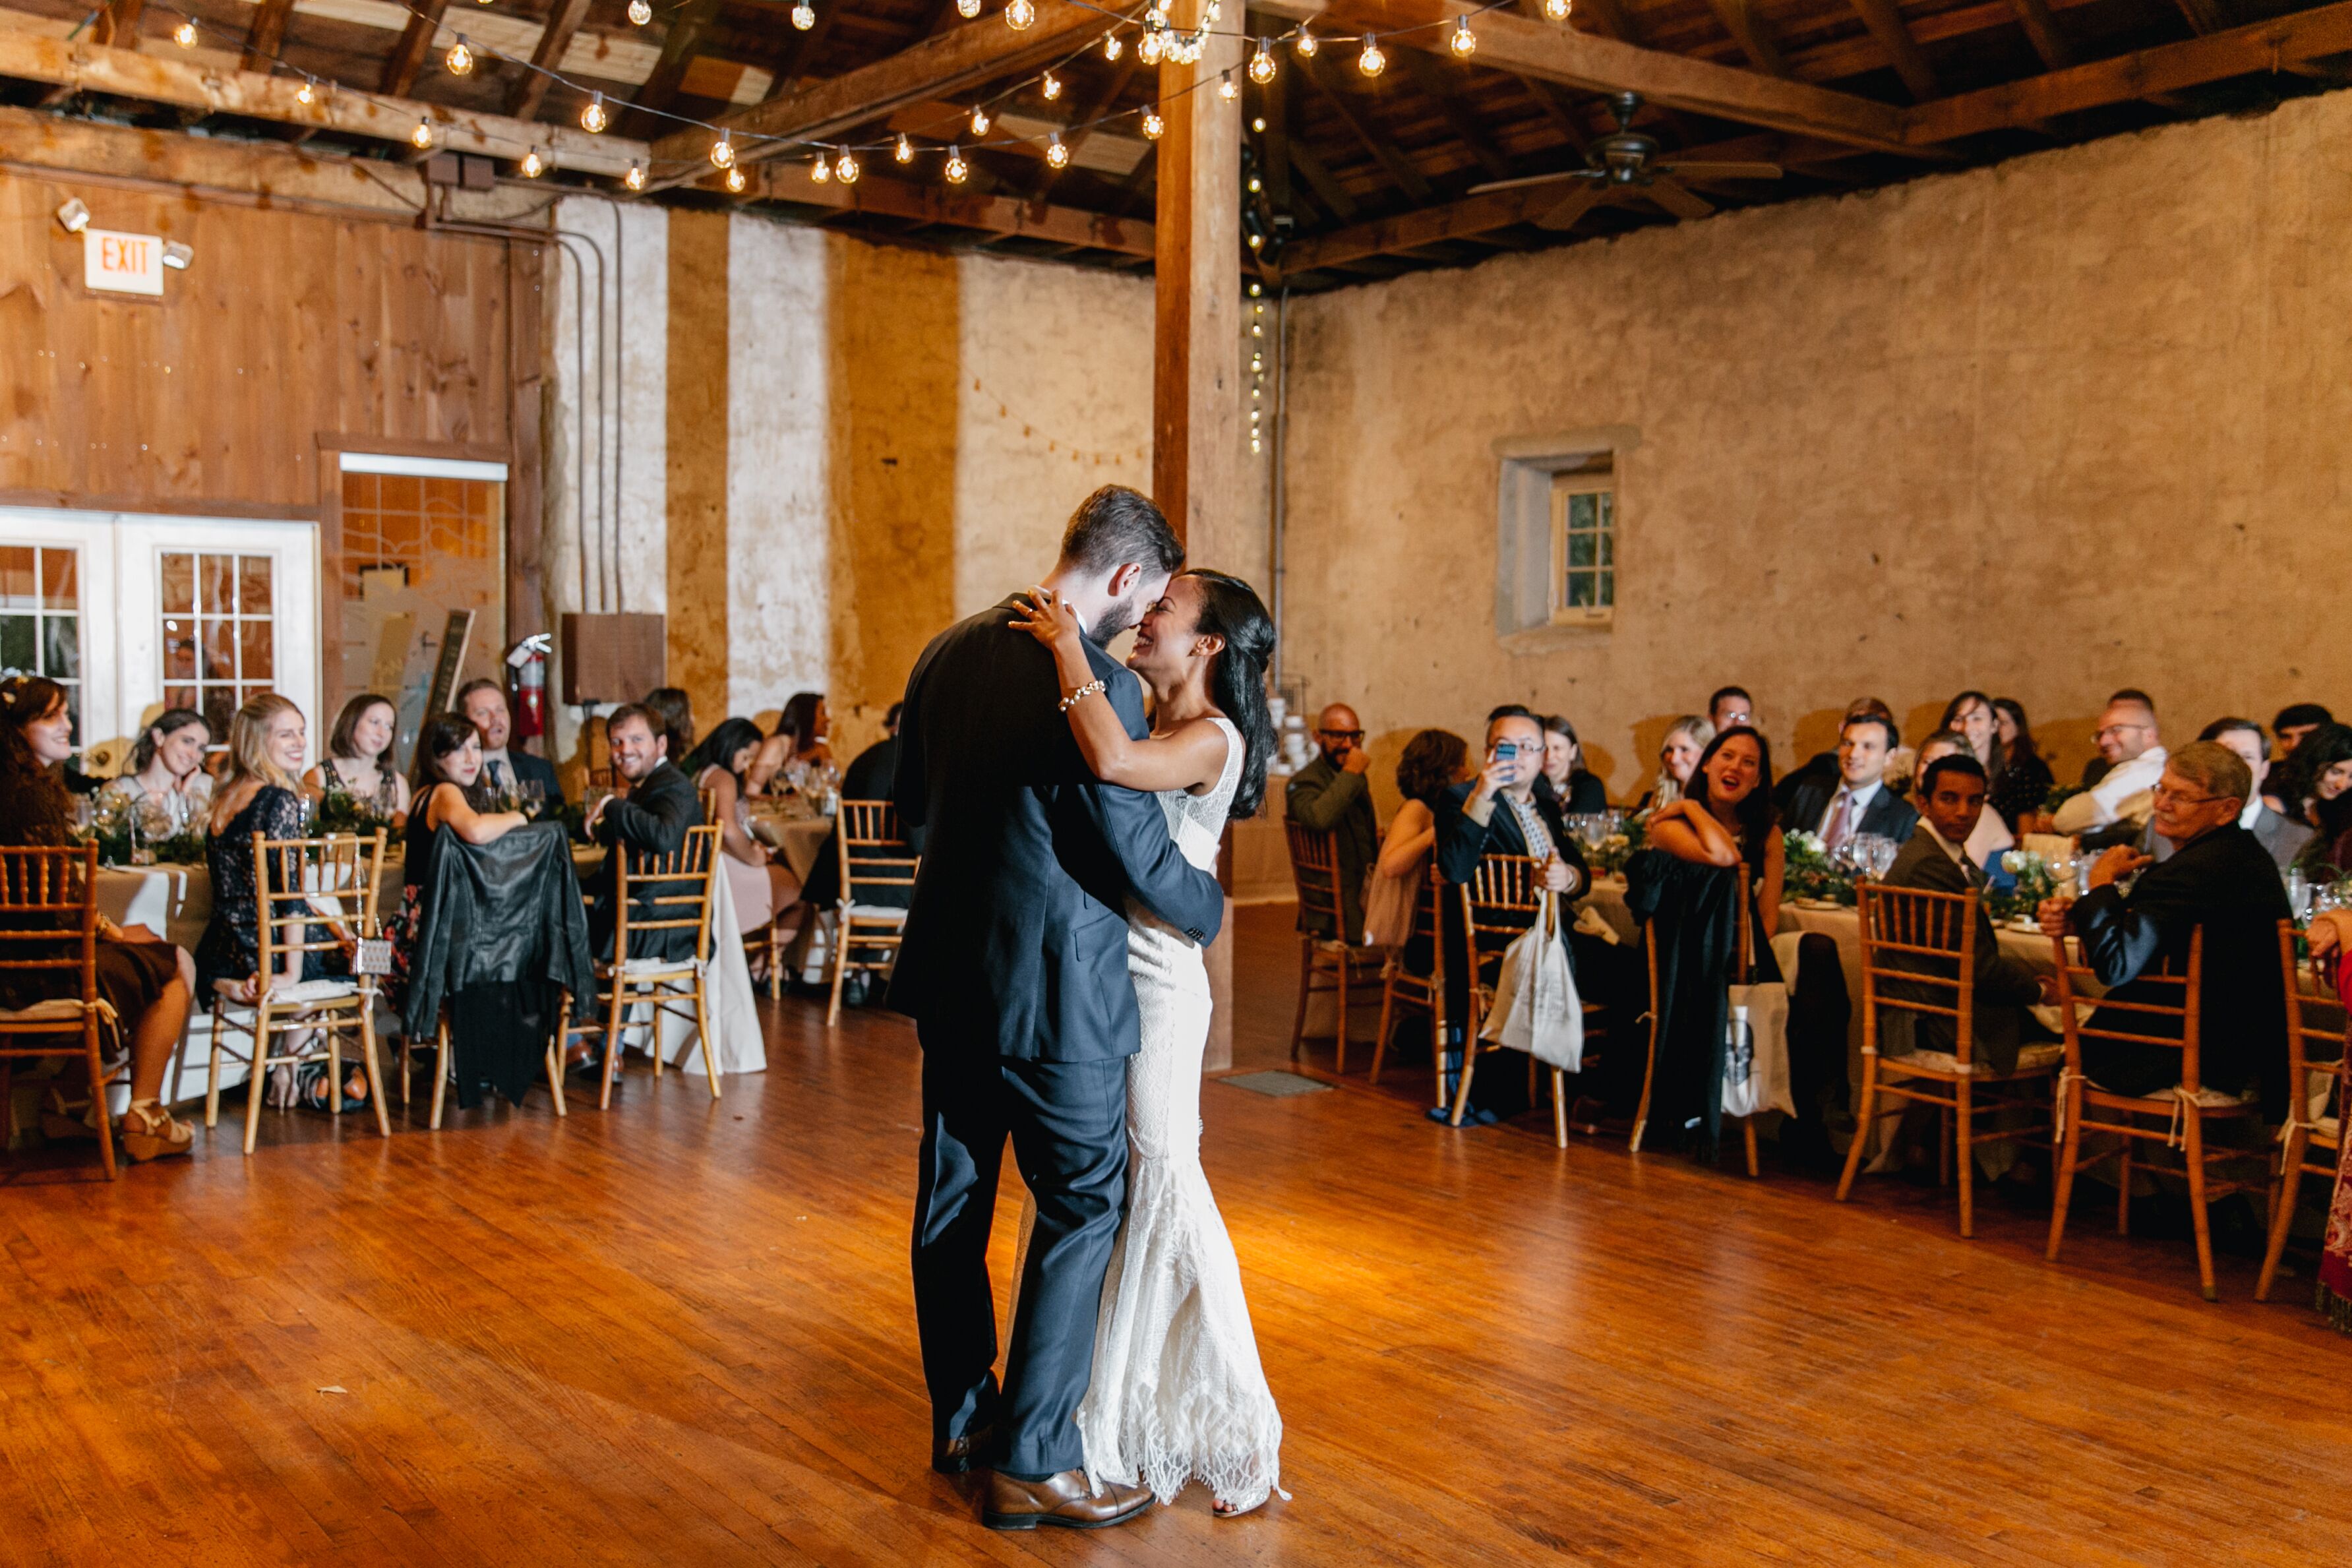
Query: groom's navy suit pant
(1068,1122)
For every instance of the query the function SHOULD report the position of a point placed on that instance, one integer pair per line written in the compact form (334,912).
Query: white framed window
(1584,545)
(40,615)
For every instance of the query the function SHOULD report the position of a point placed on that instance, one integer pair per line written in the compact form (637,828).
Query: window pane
(218,705)
(1580,551)
(219,650)
(255,643)
(1607,500)
(1608,595)
(1608,550)
(179,585)
(253,584)
(61,646)
(217,574)
(179,647)
(1580,590)
(17,577)
(16,644)
(179,697)
(1582,512)
(60,579)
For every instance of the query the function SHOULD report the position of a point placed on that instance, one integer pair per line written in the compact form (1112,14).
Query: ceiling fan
(1627,164)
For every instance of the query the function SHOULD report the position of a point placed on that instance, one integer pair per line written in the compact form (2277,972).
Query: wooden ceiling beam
(1426,74)
(1377,143)
(1885,25)
(266,37)
(1085,116)
(158,78)
(407,56)
(2261,47)
(1750,32)
(2042,31)
(950,61)
(688,31)
(117,26)
(793,59)
(529,90)
(1006,217)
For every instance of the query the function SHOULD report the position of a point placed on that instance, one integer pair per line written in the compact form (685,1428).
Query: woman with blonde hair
(1687,739)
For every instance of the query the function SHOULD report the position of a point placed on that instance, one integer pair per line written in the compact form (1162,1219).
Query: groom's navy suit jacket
(1018,931)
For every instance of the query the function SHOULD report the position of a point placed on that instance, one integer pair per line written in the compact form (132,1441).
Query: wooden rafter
(1752,33)
(1083,116)
(266,37)
(1384,150)
(407,56)
(800,48)
(117,26)
(1426,74)
(1885,25)
(1004,217)
(680,45)
(529,90)
(2042,31)
(1320,180)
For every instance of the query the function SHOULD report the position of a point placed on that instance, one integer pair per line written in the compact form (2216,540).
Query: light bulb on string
(307,94)
(639,13)
(1255,290)
(967,9)
(636,178)
(1152,125)
(1051,86)
(845,168)
(904,151)
(1112,47)
(1557,10)
(594,117)
(1020,14)
(459,59)
(1055,153)
(1153,47)
(1257,123)
(1260,65)
(1305,45)
(422,137)
(722,152)
(1255,240)
(735,181)
(1463,43)
(979,120)
(820,171)
(1372,62)
(804,15)
(957,169)
(532,167)
(1227,87)
(185,35)
(1255,185)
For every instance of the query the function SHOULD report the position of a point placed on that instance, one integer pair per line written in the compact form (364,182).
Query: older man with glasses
(2135,759)
(1333,795)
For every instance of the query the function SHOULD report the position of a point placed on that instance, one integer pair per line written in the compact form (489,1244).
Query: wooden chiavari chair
(1940,928)
(679,988)
(1502,899)
(1401,988)
(2316,1095)
(2186,1109)
(1315,870)
(875,854)
(48,929)
(300,883)
(1744,963)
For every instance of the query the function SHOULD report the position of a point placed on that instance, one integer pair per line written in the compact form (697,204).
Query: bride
(1178,1395)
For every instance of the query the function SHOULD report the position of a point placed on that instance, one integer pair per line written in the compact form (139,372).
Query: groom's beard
(1122,616)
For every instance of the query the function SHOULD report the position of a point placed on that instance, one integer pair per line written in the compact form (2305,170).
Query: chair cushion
(2031,1059)
(653,968)
(54,1010)
(312,990)
(2207,1099)
(890,913)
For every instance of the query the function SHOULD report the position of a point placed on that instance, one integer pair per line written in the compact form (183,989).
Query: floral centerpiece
(1607,857)
(126,836)
(341,811)
(1810,871)
(2035,882)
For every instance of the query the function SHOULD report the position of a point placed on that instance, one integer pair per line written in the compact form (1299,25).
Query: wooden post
(1197,390)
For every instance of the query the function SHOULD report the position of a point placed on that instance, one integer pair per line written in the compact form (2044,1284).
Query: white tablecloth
(734,1010)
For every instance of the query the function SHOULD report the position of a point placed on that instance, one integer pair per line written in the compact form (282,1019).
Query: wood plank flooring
(682,1333)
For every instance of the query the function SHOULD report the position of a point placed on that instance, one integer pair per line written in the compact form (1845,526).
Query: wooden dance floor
(680,1332)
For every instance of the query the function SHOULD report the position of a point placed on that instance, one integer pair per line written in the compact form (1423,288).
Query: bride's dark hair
(1230,608)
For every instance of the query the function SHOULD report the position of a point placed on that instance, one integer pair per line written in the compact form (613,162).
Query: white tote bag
(1756,1055)
(1536,1009)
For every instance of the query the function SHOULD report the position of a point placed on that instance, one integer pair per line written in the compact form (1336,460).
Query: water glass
(2298,894)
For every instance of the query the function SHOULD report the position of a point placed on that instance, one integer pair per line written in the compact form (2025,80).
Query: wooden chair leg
(212,1065)
(2070,1107)
(257,1083)
(97,1097)
(555,1074)
(840,967)
(1642,1111)
(612,1042)
(1306,975)
(1943,1148)
(2198,1219)
(1558,1109)
(1747,1134)
(1861,1124)
(2122,1189)
(2282,1197)
(775,960)
(334,1069)
(406,1067)
(1341,974)
(374,1069)
(1462,1086)
(702,1026)
(1388,1019)
(440,1073)
(1964,1156)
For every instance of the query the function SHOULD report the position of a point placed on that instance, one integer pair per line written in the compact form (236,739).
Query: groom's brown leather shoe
(1062,1501)
(968,1452)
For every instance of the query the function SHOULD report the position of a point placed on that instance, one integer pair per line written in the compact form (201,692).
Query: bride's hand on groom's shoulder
(1047,618)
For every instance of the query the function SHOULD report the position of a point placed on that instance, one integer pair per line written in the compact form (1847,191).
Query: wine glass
(534,795)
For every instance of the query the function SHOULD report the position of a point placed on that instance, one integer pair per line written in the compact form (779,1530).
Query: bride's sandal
(152,1132)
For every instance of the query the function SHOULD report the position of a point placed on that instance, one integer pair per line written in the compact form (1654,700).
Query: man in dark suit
(1333,795)
(1014,969)
(1859,800)
(2218,879)
(484,705)
(2283,839)
(1951,797)
(651,819)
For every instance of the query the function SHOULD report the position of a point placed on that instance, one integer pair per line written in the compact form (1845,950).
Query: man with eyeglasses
(2220,878)
(1333,795)
(2128,745)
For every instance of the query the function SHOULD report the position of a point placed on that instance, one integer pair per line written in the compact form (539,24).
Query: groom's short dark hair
(1116,525)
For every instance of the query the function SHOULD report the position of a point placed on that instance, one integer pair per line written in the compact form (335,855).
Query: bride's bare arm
(1189,757)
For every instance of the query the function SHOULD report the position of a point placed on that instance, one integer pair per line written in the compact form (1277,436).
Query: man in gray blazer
(1332,794)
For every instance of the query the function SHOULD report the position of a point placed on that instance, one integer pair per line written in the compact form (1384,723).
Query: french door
(137,613)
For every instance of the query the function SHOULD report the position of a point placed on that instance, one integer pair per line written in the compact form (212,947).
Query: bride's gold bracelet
(1081,694)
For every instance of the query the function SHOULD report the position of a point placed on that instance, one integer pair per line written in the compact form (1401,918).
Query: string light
(735,181)
(307,94)
(640,13)
(967,9)
(804,15)
(1557,10)
(185,35)
(1020,14)
(1372,62)
(904,151)
(422,137)
(821,171)
(845,168)
(593,118)
(1152,125)
(531,166)
(957,169)
(979,120)
(1112,46)
(1227,87)
(1257,123)
(1255,240)
(1260,65)
(1051,86)
(459,59)
(1255,185)
(1463,43)
(722,152)
(1055,153)
(1153,47)
(636,178)
(1305,45)
(1258,360)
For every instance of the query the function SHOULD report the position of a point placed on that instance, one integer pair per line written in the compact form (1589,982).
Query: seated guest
(870,773)
(359,760)
(2095,770)
(1821,767)
(2218,879)
(145,979)
(1498,813)
(167,784)
(2023,780)
(761,887)
(1565,777)
(1856,802)
(259,791)
(1686,742)
(653,818)
(2135,759)
(1951,796)
(2285,840)
(1332,794)
(484,704)
(1433,761)
(1991,834)
(673,709)
(1730,707)
(797,741)
(867,777)
(1970,716)
(2318,774)
(2293,723)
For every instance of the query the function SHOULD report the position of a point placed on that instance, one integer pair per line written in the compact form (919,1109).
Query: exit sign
(122,263)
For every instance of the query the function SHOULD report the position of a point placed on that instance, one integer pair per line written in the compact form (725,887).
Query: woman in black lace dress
(258,792)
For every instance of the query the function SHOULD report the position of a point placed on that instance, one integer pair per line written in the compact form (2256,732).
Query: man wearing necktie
(484,705)
(1861,802)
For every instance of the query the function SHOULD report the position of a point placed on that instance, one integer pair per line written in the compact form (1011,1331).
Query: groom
(1015,968)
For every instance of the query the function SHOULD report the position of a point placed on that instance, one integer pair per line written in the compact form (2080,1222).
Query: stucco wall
(2073,422)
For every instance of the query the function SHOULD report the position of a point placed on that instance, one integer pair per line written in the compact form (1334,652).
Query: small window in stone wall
(1583,544)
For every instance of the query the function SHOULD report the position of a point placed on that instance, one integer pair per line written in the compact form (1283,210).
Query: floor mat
(1274,1083)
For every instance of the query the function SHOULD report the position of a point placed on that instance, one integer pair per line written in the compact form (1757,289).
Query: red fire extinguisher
(528,661)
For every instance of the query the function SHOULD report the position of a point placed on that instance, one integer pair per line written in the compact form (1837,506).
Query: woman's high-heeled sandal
(152,1132)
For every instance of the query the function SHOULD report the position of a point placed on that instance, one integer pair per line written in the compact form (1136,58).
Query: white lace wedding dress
(1178,1394)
